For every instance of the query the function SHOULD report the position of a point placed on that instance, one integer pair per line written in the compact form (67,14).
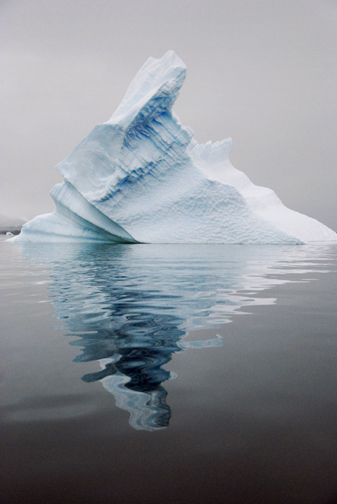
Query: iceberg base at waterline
(142,177)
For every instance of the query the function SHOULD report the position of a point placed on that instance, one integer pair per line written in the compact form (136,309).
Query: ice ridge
(142,177)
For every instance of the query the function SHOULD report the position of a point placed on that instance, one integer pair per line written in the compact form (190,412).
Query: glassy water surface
(124,381)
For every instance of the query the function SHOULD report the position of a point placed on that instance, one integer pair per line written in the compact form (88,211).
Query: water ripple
(131,306)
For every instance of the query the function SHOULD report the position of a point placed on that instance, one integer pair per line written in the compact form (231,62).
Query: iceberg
(10,225)
(141,177)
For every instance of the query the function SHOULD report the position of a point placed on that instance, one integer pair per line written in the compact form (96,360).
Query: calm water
(154,374)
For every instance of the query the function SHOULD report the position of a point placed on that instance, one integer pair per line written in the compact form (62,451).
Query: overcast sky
(261,71)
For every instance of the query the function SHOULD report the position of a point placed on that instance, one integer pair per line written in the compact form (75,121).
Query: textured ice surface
(141,177)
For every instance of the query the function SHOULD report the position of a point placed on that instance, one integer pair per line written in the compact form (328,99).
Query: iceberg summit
(141,177)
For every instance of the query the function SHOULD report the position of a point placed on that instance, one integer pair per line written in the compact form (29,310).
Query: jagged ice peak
(142,177)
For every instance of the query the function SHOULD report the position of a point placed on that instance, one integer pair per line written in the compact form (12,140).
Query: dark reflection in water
(131,306)
(132,356)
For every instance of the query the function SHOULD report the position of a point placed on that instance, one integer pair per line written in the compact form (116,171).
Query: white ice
(142,177)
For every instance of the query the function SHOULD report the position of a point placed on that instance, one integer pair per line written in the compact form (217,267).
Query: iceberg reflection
(131,306)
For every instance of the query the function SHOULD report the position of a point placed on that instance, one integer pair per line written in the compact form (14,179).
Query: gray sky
(261,71)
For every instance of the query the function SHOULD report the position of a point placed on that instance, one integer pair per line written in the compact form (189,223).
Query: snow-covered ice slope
(141,177)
